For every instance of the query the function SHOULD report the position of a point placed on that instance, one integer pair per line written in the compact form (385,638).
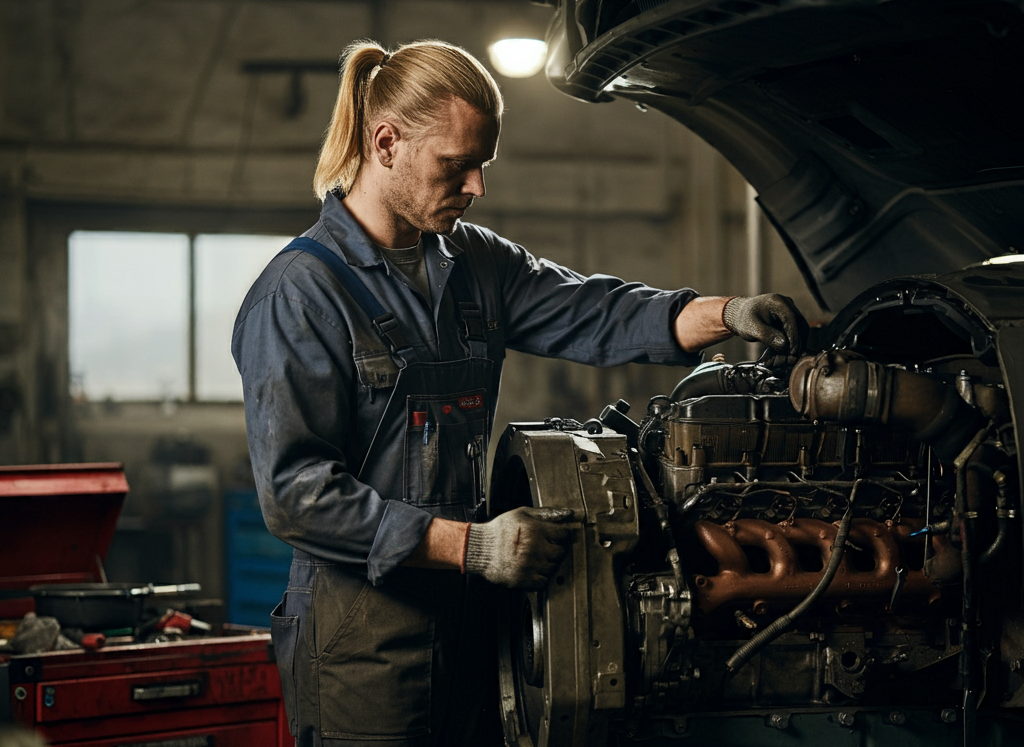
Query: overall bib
(411,662)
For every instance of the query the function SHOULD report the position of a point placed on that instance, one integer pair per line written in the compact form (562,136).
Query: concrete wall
(142,115)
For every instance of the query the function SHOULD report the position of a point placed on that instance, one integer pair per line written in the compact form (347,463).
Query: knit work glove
(770,319)
(520,549)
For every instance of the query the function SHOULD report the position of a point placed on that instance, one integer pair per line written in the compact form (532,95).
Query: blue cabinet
(256,564)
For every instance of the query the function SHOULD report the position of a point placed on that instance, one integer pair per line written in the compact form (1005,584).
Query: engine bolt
(845,718)
(948,715)
(779,720)
(898,717)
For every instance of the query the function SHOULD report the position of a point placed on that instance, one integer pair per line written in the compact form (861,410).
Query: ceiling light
(1004,259)
(518,58)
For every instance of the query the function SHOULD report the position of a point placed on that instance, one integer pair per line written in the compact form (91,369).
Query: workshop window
(150,314)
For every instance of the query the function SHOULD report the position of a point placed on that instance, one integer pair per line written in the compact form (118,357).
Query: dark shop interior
(470,464)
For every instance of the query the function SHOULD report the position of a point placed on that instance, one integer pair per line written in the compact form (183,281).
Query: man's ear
(385,138)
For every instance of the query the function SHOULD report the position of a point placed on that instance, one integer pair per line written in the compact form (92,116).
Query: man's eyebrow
(471,158)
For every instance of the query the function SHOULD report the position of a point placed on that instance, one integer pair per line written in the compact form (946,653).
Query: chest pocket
(495,340)
(376,370)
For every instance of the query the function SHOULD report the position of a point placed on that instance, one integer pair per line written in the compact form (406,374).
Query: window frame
(49,225)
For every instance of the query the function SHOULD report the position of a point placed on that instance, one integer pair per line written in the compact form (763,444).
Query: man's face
(436,175)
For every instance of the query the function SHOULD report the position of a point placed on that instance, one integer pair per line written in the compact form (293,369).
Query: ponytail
(411,84)
(342,152)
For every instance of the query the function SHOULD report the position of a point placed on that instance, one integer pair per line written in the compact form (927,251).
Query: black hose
(664,520)
(1005,514)
(968,668)
(780,626)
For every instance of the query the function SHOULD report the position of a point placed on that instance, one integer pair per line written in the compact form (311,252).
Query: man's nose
(474,184)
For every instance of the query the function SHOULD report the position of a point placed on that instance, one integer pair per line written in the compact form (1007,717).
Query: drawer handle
(161,692)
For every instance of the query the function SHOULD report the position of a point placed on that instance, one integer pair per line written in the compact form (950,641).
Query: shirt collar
(356,246)
(446,246)
(352,241)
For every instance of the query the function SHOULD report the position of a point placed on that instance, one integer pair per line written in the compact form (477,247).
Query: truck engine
(789,550)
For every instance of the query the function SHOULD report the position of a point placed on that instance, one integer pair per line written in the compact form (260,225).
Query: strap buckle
(387,327)
(472,321)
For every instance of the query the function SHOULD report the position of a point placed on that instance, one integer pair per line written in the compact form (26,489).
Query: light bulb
(518,58)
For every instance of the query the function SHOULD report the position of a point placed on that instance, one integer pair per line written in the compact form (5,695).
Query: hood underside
(883,138)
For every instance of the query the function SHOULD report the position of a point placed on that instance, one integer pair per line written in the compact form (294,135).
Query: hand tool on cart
(88,641)
(171,623)
(183,622)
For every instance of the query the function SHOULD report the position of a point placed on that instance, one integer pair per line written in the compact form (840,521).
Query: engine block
(756,489)
(830,543)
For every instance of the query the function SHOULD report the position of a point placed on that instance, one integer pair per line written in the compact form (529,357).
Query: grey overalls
(409,662)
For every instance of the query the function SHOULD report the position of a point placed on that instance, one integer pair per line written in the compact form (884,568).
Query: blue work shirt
(316,375)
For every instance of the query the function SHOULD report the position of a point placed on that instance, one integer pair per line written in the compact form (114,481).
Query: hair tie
(379,66)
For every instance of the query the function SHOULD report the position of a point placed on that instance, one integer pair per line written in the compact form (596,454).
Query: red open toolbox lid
(56,525)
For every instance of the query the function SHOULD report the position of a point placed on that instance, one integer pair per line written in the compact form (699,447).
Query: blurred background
(154,154)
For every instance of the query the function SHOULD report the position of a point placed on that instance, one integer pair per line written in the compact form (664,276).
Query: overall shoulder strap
(469,310)
(384,321)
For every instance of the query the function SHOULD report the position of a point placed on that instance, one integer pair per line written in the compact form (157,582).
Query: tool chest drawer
(253,734)
(212,691)
(61,700)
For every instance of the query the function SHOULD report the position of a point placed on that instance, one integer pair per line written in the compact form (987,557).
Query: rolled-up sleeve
(298,374)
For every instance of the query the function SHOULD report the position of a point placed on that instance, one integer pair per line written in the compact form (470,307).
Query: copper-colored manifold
(881,547)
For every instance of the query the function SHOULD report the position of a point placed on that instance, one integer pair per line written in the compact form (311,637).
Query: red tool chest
(217,691)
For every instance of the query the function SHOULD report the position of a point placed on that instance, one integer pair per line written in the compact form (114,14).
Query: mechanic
(370,352)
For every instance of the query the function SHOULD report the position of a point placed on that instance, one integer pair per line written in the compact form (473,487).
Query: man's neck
(382,226)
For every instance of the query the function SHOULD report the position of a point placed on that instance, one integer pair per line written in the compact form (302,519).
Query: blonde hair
(411,84)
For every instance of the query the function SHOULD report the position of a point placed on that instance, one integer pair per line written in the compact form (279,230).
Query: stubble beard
(400,200)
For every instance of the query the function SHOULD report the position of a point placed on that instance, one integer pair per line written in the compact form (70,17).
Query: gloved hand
(519,549)
(770,319)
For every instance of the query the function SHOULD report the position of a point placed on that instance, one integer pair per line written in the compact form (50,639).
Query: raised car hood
(883,138)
